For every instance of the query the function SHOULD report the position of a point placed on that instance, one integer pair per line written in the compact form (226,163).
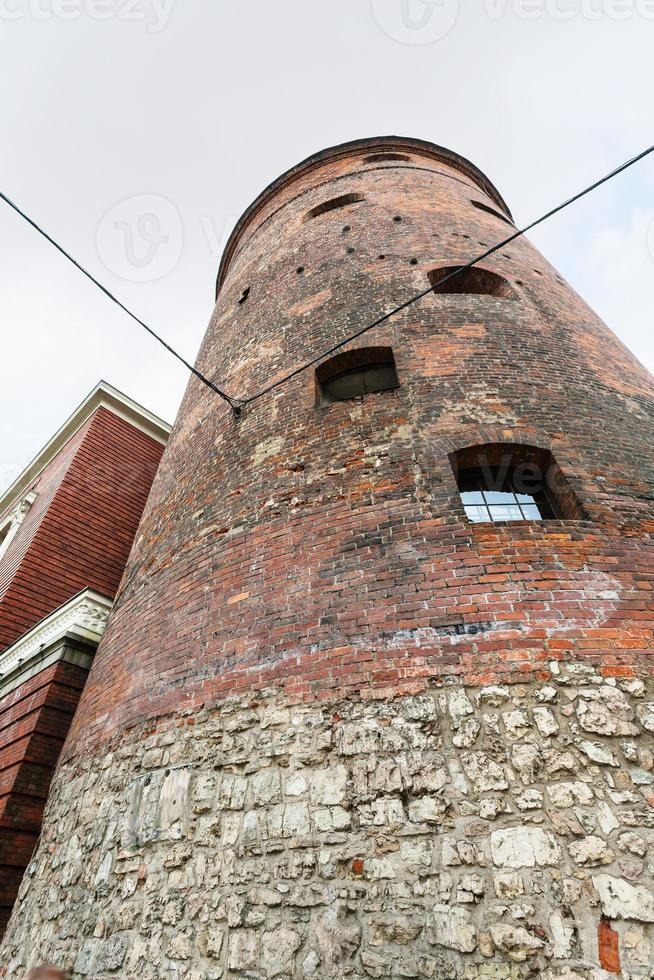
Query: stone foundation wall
(493,832)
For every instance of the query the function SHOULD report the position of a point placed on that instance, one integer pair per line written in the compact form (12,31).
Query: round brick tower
(375,698)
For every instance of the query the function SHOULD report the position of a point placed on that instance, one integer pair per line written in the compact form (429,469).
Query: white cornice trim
(103,395)
(83,618)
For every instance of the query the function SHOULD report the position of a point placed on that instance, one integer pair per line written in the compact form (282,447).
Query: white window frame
(13,522)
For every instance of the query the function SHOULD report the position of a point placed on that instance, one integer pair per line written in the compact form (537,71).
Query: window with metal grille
(510,482)
(503,500)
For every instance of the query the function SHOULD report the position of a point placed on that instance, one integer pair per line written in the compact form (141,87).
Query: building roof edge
(103,395)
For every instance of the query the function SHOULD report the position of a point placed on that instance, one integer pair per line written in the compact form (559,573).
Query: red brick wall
(45,486)
(80,529)
(34,721)
(324,548)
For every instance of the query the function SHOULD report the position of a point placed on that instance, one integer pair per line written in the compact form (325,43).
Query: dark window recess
(512,483)
(334,205)
(356,373)
(489,210)
(474,281)
(384,157)
(244,296)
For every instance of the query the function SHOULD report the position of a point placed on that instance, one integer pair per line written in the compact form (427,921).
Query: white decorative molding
(103,396)
(14,521)
(83,618)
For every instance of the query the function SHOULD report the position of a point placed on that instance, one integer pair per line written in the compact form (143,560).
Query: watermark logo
(427,21)
(141,239)
(155,14)
(217,234)
(566,10)
(415,21)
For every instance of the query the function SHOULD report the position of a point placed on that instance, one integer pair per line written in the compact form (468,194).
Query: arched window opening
(334,204)
(504,482)
(474,281)
(384,157)
(489,210)
(356,373)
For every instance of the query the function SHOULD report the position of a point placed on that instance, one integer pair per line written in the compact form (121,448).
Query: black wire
(236,404)
(451,275)
(115,300)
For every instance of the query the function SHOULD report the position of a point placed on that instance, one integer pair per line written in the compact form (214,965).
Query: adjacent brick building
(376,700)
(66,529)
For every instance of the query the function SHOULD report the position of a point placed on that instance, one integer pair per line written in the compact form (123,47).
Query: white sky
(201,103)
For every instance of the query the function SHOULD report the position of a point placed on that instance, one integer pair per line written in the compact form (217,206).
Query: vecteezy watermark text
(570,9)
(155,14)
(427,21)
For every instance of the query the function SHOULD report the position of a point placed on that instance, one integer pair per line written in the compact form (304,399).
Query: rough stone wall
(482,832)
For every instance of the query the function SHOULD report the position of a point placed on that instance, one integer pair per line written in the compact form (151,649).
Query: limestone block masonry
(474,832)
(334,728)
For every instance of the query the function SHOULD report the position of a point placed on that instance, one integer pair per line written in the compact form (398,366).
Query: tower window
(334,204)
(483,505)
(384,157)
(512,483)
(489,210)
(353,374)
(473,281)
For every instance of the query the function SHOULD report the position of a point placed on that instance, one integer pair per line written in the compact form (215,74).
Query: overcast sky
(136,132)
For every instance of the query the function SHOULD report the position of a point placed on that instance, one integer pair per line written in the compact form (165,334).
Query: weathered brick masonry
(339,703)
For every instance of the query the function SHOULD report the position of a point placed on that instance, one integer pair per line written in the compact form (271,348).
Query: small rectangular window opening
(474,281)
(505,483)
(334,204)
(387,157)
(489,210)
(356,373)
(505,505)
